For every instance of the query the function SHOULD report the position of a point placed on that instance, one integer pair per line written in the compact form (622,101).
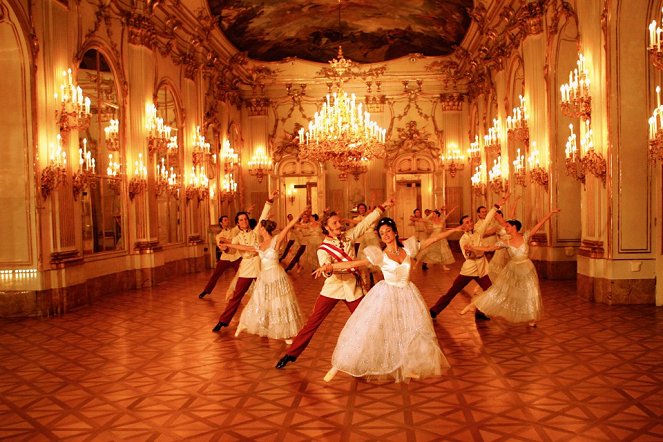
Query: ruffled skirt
(515,294)
(272,310)
(390,336)
(497,263)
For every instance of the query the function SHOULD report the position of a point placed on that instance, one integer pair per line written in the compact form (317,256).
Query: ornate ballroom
(133,126)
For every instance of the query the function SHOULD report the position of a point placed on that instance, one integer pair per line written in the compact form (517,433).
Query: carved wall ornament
(141,30)
(287,145)
(451,102)
(257,106)
(411,139)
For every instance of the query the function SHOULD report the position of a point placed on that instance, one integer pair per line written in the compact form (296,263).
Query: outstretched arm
(437,237)
(241,247)
(281,236)
(328,269)
(446,214)
(266,208)
(540,223)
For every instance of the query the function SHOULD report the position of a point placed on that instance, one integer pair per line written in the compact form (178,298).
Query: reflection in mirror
(103,212)
(169,203)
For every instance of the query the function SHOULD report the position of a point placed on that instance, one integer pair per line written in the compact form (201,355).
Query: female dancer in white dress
(515,295)
(438,253)
(501,256)
(273,310)
(390,335)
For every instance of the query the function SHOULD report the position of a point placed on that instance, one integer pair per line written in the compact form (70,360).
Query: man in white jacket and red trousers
(340,285)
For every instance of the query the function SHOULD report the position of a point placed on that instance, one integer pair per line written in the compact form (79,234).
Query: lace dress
(515,294)
(438,252)
(500,258)
(390,335)
(273,310)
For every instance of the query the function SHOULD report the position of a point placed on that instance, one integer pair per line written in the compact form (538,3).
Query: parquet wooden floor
(144,365)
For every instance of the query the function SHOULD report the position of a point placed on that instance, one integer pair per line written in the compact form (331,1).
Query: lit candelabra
(474,152)
(112,135)
(290,193)
(259,164)
(228,187)
(197,184)
(74,111)
(55,174)
(167,179)
(86,170)
(228,157)
(113,171)
(492,141)
(516,123)
(201,148)
(519,174)
(477,180)
(138,182)
(538,174)
(592,161)
(172,147)
(354,167)
(495,179)
(158,134)
(576,100)
(574,167)
(656,129)
(453,160)
(655,47)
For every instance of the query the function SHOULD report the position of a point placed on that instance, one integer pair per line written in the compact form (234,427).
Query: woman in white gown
(438,253)
(501,256)
(272,310)
(515,295)
(390,335)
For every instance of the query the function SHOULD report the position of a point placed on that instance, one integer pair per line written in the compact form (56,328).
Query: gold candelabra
(201,148)
(55,174)
(478,185)
(517,122)
(113,171)
(228,157)
(519,173)
(496,181)
(74,111)
(112,135)
(576,101)
(474,152)
(158,134)
(228,187)
(138,182)
(453,160)
(656,129)
(655,47)
(167,179)
(86,173)
(259,164)
(198,184)
(492,140)
(538,174)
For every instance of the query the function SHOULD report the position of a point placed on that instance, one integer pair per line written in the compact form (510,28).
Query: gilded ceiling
(272,30)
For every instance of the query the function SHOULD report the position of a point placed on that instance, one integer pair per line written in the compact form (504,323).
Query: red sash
(337,255)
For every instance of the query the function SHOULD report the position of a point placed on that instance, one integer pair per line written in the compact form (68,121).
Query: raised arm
(543,220)
(267,207)
(490,215)
(446,214)
(282,234)
(367,222)
(437,237)
(328,269)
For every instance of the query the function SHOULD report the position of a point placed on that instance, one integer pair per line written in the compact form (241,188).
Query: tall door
(408,198)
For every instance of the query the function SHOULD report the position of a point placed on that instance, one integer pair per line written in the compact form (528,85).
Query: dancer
(273,310)
(390,335)
(370,238)
(230,259)
(515,295)
(475,266)
(250,265)
(438,253)
(501,256)
(419,229)
(337,246)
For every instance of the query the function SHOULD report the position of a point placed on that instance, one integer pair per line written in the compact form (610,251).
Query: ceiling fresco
(370,32)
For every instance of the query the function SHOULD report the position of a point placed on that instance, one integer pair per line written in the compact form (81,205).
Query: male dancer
(250,265)
(230,259)
(337,246)
(475,266)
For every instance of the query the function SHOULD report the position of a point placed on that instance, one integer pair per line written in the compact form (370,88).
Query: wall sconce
(112,135)
(519,174)
(290,194)
(453,160)
(86,171)
(55,174)
(172,147)
(492,141)
(158,134)
(138,182)
(198,184)
(228,187)
(656,129)
(477,181)
(228,157)
(495,180)
(74,111)
(259,164)
(576,100)
(166,179)
(537,173)
(516,124)
(474,152)
(592,161)
(113,171)
(201,148)
(655,52)
(574,166)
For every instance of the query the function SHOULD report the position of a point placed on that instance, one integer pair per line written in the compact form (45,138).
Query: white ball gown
(515,294)
(500,258)
(439,252)
(390,335)
(272,310)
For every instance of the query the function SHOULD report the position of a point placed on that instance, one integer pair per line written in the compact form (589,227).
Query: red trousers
(323,306)
(221,266)
(459,284)
(241,288)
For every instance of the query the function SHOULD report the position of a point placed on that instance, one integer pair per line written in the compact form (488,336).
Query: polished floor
(144,365)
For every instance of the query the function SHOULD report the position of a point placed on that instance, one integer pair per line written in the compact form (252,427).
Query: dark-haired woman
(515,295)
(273,310)
(390,335)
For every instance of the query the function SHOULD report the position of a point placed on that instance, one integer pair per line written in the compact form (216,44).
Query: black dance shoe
(284,360)
(424,266)
(218,326)
(432,314)
(203,294)
(480,316)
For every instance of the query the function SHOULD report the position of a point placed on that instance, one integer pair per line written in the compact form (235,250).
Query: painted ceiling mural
(370,32)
